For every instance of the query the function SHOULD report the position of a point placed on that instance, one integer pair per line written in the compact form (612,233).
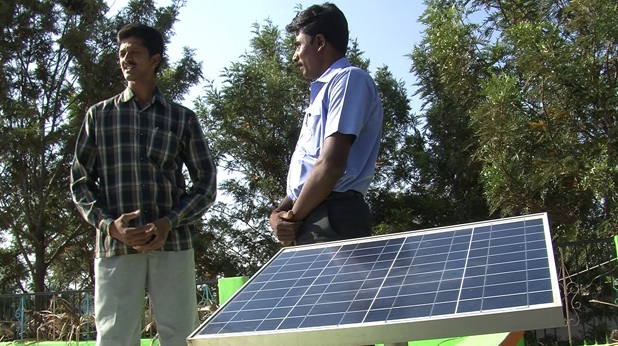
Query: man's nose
(125,58)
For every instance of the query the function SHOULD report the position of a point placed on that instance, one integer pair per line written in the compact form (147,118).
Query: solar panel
(470,279)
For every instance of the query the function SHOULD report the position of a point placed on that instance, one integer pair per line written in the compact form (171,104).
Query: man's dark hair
(326,19)
(151,38)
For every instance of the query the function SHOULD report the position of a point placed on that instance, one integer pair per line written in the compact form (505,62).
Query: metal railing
(68,315)
(588,279)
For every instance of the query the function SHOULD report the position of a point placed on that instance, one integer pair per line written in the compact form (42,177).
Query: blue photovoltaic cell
(411,276)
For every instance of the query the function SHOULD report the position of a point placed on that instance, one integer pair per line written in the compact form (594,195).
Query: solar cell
(477,278)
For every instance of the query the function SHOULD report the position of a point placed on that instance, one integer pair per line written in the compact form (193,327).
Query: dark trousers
(342,215)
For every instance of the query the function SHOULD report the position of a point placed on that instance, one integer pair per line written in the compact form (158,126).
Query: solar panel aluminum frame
(547,315)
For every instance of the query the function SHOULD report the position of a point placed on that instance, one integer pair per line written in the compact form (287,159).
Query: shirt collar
(127,95)
(332,70)
(326,77)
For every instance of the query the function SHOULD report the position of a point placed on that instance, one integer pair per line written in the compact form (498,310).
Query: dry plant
(206,305)
(6,330)
(206,308)
(61,322)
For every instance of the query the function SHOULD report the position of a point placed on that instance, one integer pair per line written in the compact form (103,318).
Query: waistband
(348,193)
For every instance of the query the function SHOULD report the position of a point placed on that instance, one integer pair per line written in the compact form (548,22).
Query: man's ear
(320,40)
(155,60)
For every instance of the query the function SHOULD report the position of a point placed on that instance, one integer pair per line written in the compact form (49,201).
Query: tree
(395,198)
(557,100)
(532,86)
(57,59)
(449,67)
(253,123)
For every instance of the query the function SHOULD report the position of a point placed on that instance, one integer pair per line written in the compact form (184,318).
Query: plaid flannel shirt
(128,159)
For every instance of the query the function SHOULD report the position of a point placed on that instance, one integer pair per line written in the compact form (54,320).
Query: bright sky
(220,32)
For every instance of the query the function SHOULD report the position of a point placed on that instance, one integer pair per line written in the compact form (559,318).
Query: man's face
(306,56)
(134,60)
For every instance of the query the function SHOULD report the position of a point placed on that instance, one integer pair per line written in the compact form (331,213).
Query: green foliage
(253,124)
(396,168)
(36,88)
(560,98)
(449,65)
(527,91)
(355,55)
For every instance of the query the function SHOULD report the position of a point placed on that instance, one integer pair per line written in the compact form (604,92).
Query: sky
(220,32)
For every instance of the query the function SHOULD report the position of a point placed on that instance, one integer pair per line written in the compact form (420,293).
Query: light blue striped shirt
(345,100)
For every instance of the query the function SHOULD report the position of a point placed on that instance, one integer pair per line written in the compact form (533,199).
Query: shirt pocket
(310,139)
(163,149)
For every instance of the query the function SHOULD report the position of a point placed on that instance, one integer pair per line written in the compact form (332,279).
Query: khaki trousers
(169,278)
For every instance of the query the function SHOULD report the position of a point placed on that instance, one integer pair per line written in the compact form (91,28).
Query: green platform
(229,286)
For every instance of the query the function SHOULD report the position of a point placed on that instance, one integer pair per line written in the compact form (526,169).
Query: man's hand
(132,236)
(284,229)
(143,238)
(160,231)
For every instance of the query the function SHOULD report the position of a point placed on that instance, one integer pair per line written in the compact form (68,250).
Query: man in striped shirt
(127,181)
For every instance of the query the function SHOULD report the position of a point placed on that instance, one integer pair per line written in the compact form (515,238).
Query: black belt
(351,193)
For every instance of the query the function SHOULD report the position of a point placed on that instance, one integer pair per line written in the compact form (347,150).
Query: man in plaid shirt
(127,181)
